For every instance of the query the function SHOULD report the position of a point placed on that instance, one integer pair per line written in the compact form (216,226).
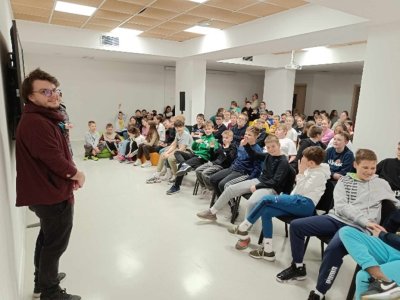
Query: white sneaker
(167,175)
(146,164)
(206,195)
(137,163)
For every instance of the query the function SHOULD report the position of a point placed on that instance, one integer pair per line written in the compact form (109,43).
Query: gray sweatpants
(239,189)
(204,172)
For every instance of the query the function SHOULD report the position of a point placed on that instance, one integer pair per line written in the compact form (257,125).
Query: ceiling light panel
(73,8)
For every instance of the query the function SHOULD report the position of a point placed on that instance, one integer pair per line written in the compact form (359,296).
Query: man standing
(46,178)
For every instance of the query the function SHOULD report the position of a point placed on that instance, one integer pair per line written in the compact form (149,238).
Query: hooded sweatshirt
(312,183)
(358,202)
(44,162)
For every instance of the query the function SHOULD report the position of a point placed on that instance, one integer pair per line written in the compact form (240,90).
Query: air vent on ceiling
(107,40)
(248,58)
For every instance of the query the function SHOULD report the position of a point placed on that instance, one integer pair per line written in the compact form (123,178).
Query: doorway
(299,97)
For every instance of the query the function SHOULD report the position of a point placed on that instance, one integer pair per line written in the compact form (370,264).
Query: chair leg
(196,187)
(306,244)
(322,250)
(214,196)
(286,230)
(352,288)
(235,209)
(260,239)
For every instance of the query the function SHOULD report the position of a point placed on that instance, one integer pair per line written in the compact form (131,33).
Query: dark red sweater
(44,163)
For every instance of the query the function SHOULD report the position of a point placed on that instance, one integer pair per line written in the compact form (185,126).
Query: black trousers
(55,229)
(194,162)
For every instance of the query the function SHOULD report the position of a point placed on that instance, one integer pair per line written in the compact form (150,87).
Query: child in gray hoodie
(357,202)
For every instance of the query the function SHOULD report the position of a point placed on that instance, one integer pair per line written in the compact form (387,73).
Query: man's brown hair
(27,84)
(315,154)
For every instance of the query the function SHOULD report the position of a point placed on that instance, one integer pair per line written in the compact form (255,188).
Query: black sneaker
(314,296)
(173,190)
(183,170)
(37,290)
(379,289)
(292,273)
(60,295)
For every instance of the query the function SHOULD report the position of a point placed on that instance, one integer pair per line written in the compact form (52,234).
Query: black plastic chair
(196,187)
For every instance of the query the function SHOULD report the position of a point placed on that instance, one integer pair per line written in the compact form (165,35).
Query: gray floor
(132,241)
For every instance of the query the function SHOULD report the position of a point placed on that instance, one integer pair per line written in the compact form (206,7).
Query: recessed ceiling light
(126,31)
(73,8)
(199,1)
(202,29)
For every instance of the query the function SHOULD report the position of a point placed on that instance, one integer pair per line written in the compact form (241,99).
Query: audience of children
(230,163)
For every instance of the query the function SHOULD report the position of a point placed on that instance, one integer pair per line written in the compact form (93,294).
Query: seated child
(148,146)
(128,151)
(310,185)
(339,158)
(288,147)
(92,146)
(182,142)
(111,140)
(220,159)
(201,153)
(275,172)
(357,202)
(243,167)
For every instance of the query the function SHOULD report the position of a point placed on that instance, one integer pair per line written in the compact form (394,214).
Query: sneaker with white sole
(147,164)
(242,243)
(173,190)
(207,214)
(183,170)
(137,163)
(153,179)
(172,179)
(292,273)
(379,289)
(235,230)
(260,253)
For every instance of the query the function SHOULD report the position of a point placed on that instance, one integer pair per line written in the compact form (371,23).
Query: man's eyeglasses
(49,92)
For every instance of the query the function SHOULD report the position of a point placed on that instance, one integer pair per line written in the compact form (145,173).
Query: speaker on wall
(182,101)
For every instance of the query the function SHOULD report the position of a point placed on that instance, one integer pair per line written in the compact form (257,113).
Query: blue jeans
(122,147)
(280,205)
(369,251)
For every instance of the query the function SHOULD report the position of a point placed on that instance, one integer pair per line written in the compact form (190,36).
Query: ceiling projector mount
(292,65)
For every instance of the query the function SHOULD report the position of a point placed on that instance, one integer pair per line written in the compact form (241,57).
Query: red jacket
(44,163)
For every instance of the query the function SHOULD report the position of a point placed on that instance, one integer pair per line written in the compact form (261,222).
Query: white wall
(328,90)
(224,87)
(12,220)
(379,95)
(92,89)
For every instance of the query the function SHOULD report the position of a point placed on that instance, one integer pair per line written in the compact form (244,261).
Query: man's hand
(79,179)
